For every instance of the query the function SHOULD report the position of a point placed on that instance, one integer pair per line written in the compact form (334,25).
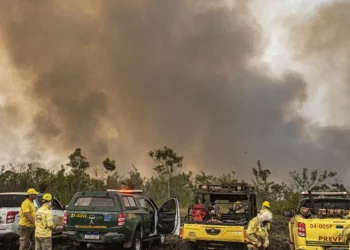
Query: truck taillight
(121,219)
(301,229)
(10,217)
(181,233)
(65,218)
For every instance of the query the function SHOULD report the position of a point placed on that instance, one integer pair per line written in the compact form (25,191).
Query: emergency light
(129,191)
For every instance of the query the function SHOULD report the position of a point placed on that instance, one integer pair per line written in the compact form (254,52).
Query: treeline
(167,180)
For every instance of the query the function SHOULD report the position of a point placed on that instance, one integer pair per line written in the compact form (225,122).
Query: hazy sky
(212,81)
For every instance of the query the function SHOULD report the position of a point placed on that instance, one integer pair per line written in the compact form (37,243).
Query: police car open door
(169,217)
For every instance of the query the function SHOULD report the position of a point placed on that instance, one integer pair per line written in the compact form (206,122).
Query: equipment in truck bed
(220,216)
(225,203)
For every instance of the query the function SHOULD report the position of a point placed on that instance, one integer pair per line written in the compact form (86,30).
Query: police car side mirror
(65,207)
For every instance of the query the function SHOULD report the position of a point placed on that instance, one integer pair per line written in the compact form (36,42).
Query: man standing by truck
(26,225)
(44,224)
(257,231)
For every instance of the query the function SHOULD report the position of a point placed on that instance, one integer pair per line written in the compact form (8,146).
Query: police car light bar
(126,191)
(324,193)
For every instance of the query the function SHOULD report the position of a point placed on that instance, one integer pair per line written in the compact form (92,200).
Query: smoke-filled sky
(210,79)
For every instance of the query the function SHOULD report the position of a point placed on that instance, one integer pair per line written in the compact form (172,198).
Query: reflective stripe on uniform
(44,222)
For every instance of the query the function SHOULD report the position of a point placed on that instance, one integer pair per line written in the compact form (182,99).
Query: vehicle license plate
(92,236)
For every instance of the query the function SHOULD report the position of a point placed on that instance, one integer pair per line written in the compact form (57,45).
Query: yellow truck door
(324,232)
(318,222)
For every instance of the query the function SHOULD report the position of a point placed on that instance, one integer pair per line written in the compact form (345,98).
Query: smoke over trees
(120,77)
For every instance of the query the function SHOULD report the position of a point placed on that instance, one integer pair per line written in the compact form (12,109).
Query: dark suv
(119,217)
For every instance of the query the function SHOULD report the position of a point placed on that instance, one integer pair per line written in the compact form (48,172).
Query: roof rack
(238,187)
(325,193)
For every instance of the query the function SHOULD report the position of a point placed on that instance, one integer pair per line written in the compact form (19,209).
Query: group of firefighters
(40,224)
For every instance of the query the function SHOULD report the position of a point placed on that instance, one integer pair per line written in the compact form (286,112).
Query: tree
(167,162)
(183,188)
(313,181)
(109,165)
(202,179)
(227,179)
(261,182)
(337,186)
(134,181)
(78,162)
(43,178)
(269,190)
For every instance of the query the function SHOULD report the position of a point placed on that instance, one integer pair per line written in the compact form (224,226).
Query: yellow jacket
(27,207)
(257,235)
(346,235)
(44,222)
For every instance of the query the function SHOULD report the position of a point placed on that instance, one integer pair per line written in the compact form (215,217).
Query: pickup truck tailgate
(92,220)
(324,232)
(93,214)
(213,232)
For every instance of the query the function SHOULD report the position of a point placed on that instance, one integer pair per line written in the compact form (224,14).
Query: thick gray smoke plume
(322,41)
(120,78)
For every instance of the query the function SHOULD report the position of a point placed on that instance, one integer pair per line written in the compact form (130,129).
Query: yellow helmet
(47,197)
(32,191)
(266,204)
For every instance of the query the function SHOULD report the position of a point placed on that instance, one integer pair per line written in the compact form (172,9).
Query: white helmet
(265,217)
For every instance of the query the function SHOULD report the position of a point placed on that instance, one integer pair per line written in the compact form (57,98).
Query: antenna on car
(243,167)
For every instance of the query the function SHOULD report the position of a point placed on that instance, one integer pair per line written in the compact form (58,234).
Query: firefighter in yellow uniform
(346,235)
(26,225)
(266,208)
(257,234)
(44,224)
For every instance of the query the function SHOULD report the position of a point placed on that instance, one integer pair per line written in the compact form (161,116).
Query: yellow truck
(319,221)
(219,217)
